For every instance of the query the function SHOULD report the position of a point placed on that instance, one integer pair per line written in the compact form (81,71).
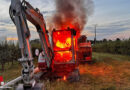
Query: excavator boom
(20,12)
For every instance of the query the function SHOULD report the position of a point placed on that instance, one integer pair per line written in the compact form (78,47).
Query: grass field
(11,72)
(108,72)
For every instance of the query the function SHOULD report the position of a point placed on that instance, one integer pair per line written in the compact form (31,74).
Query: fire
(75,17)
(64,45)
(63,56)
(64,78)
(61,40)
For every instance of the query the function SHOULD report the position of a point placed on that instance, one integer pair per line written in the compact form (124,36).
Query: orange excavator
(60,57)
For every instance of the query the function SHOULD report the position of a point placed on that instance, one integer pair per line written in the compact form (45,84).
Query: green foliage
(8,53)
(114,47)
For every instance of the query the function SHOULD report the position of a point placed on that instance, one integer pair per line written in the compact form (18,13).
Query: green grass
(11,72)
(108,72)
(102,56)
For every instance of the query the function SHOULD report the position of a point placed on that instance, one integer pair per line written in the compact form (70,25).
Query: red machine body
(1,80)
(64,43)
(85,50)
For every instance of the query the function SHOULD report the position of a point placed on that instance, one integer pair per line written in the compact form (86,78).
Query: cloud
(121,35)
(7,27)
(43,5)
(87,33)
(108,29)
(4,9)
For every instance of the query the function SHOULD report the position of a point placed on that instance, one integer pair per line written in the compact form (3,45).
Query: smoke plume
(71,13)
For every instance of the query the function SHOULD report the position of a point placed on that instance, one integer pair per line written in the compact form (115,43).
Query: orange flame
(64,78)
(62,40)
(63,56)
(64,45)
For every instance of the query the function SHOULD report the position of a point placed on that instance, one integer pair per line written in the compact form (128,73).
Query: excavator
(20,11)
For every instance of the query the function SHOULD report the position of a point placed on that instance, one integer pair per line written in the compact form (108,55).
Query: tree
(4,54)
(104,40)
(8,53)
(118,39)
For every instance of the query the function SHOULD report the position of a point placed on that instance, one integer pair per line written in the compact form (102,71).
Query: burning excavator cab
(64,47)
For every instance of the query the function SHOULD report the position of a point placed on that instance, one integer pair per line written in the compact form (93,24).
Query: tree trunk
(12,62)
(3,67)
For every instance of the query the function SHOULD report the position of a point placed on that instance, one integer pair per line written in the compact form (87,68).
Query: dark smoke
(71,12)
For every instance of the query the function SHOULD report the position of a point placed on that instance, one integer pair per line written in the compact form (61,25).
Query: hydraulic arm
(20,12)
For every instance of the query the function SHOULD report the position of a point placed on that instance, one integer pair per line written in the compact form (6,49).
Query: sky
(112,18)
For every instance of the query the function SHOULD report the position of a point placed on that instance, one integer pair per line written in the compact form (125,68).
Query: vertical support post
(95,34)
(72,44)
